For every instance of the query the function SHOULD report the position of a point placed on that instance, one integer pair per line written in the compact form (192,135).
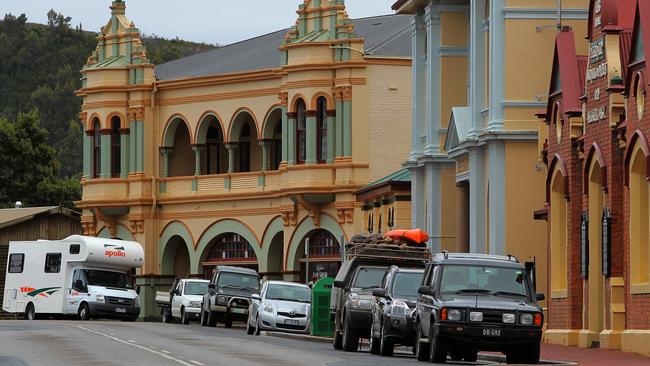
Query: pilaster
(497,199)
(497,64)
(432,21)
(434,204)
(339,125)
(418,84)
(291,141)
(331,135)
(476,64)
(124,152)
(232,149)
(476,201)
(87,155)
(106,153)
(311,137)
(164,154)
(264,144)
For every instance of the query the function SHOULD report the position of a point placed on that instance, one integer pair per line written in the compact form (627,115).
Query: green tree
(29,168)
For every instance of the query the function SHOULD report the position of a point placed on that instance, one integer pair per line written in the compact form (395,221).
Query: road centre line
(161,354)
(197,363)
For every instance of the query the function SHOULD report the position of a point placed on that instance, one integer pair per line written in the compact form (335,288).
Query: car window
(238,280)
(369,277)
(406,284)
(487,279)
(196,288)
(288,293)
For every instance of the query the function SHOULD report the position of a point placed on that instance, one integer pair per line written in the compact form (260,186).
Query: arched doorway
(595,302)
(229,249)
(176,258)
(324,255)
(275,258)
(247,152)
(272,134)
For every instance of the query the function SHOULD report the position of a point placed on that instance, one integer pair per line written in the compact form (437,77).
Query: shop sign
(584,245)
(606,243)
(597,72)
(597,50)
(597,9)
(596,114)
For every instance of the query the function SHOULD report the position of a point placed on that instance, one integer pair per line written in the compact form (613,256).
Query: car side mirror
(339,284)
(379,292)
(211,286)
(79,285)
(539,296)
(425,290)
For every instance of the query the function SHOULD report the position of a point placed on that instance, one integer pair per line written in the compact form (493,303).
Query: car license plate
(492,332)
(291,322)
(237,311)
(120,310)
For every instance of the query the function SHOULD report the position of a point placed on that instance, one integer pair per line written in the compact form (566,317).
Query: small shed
(33,223)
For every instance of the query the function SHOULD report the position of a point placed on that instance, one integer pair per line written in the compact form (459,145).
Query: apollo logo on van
(113,250)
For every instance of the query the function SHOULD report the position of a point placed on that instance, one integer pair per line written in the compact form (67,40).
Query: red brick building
(587,150)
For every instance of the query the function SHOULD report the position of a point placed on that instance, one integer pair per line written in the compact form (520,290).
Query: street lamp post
(307,260)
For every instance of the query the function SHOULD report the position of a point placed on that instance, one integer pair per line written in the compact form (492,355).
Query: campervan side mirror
(539,296)
(378,292)
(339,284)
(425,290)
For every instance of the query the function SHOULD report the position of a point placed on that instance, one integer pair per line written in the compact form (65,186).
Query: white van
(79,275)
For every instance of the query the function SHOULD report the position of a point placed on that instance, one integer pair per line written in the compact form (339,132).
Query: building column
(106,153)
(265,144)
(497,198)
(331,136)
(432,20)
(140,143)
(434,203)
(197,159)
(232,149)
(88,155)
(311,134)
(496,66)
(285,134)
(477,243)
(164,153)
(124,152)
(347,121)
(133,133)
(339,127)
(476,65)
(291,140)
(418,92)
(417,192)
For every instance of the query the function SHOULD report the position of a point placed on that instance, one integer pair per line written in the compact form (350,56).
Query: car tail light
(443,314)
(538,319)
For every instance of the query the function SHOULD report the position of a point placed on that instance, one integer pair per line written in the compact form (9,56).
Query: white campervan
(79,275)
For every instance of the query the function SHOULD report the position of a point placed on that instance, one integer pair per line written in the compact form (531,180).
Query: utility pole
(307,278)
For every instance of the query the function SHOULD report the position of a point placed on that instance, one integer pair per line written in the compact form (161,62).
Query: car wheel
(84,312)
(227,322)
(30,312)
(530,353)
(387,347)
(249,328)
(374,341)
(166,317)
(350,336)
(437,348)
(258,330)
(421,348)
(512,357)
(184,319)
(337,341)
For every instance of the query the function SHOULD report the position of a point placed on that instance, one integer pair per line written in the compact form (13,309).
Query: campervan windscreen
(108,279)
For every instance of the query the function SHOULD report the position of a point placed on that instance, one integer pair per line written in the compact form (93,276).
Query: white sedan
(280,306)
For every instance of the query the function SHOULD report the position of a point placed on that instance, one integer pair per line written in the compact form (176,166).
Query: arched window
(214,142)
(230,249)
(639,222)
(301,132)
(276,145)
(116,146)
(639,94)
(321,138)
(559,238)
(97,149)
(245,148)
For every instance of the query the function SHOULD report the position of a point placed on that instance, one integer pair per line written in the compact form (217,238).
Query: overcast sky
(210,21)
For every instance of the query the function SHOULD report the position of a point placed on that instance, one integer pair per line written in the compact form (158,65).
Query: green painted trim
(265,155)
(140,143)
(317,16)
(166,260)
(345,53)
(87,157)
(114,24)
(102,52)
(222,227)
(261,180)
(124,156)
(162,187)
(120,231)
(331,139)
(165,162)
(131,76)
(332,17)
(133,132)
(285,131)
(116,49)
(347,128)
(226,183)
(106,156)
(291,146)
(231,157)
(306,226)
(197,160)
(284,58)
(195,185)
(339,129)
(311,140)
(129,50)
(139,73)
(302,29)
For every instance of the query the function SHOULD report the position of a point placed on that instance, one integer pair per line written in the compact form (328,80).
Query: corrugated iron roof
(14,216)
(386,35)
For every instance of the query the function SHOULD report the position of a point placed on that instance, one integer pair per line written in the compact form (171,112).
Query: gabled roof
(402,176)
(14,216)
(567,74)
(459,126)
(640,40)
(614,15)
(387,35)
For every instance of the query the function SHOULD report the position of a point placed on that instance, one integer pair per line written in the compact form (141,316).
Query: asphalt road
(108,343)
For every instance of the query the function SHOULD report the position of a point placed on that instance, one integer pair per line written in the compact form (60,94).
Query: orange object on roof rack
(416,236)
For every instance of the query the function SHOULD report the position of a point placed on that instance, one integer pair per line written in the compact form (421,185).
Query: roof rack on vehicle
(395,251)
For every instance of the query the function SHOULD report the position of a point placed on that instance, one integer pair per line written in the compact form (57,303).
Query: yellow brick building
(240,154)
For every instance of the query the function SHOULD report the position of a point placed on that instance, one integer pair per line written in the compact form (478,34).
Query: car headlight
(476,316)
(508,318)
(268,308)
(194,304)
(453,314)
(400,308)
(137,301)
(221,300)
(99,298)
(354,300)
(526,319)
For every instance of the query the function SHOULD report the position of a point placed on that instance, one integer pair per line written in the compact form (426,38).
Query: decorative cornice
(541,13)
